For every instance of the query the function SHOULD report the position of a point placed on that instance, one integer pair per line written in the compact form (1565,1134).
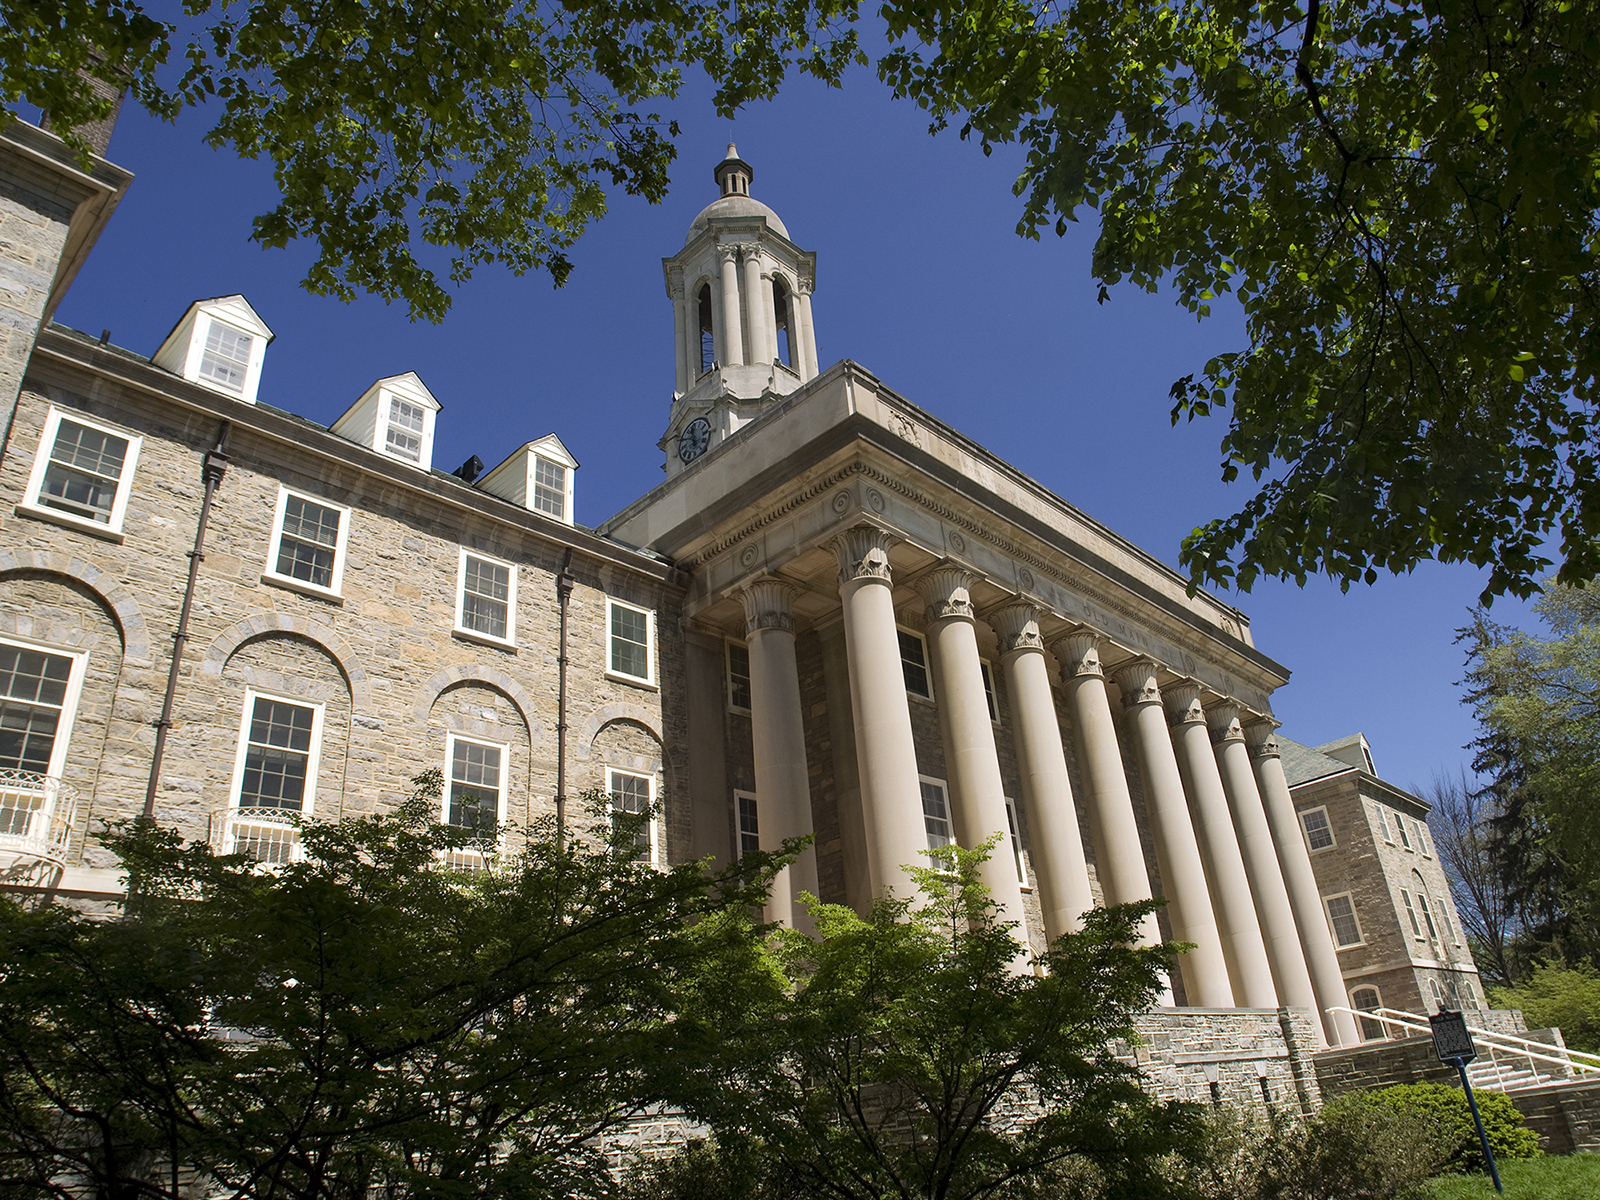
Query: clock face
(693,440)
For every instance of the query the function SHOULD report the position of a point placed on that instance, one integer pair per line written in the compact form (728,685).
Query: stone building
(836,617)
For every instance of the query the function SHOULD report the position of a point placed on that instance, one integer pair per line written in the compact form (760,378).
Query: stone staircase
(1506,1076)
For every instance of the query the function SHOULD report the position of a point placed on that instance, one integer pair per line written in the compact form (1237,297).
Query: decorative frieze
(863,554)
(1079,654)
(1137,679)
(1183,704)
(947,593)
(768,605)
(1017,626)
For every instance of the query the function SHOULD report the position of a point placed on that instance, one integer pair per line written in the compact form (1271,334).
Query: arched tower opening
(708,340)
(783,315)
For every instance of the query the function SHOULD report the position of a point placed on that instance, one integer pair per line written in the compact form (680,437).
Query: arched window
(783,313)
(708,342)
(1366,999)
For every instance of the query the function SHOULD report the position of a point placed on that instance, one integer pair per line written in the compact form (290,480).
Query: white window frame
(1409,901)
(738,822)
(1421,831)
(650,824)
(949,814)
(69,697)
(201,349)
(1383,824)
(991,690)
(1405,838)
(728,645)
(927,662)
(612,604)
(1327,912)
(308,804)
(1015,831)
(1383,1032)
(340,549)
(462,629)
(33,506)
(1305,831)
(450,741)
(565,515)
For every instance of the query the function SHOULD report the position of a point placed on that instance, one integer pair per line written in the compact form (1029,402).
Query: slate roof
(1302,764)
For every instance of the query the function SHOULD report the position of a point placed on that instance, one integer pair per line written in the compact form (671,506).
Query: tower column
(756,324)
(971,762)
(1046,790)
(1322,959)
(732,341)
(783,791)
(1231,901)
(680,322)
(891,797)
(1205,970)
(1276,918)
(1118,856)
(808,337)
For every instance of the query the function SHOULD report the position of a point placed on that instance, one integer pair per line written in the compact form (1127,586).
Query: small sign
(1451,1041)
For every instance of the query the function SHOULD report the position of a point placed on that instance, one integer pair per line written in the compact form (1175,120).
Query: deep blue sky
(920,277)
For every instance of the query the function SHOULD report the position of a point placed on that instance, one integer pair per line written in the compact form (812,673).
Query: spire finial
(733,174)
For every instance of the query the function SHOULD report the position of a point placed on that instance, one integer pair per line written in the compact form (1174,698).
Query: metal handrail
(1521,1047)
(37,815)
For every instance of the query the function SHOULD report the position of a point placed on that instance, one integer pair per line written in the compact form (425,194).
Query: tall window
(936,813)
(631,653)
(631,799)
(738,676)
(309,541)
(1411,914)
(1383,824)
(1400,824)
(1342,920)
(404,436)
(278,757)
(550,488)
(1425,903)
(748,838)
(37,696)
(781,310)
(226,358)
(1366,999)
(988,689)
(477,785)
(914,663)
(1016,840)
(1319,833)
(82,471)
(486,598)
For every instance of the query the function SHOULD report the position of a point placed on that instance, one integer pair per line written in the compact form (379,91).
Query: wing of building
(837,617)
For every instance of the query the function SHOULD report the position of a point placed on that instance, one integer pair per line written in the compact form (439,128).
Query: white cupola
(395,417)
(220,344)
(741,300)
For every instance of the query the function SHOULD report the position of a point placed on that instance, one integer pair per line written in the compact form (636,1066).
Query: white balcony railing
(36,815)
(268,835)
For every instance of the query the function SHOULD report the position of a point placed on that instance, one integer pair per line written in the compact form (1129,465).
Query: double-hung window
(1400,824)
(308,544)
(403,438)
(275,775)
(936,812)
(1319,833)
(738,676)
(914,664)
(549,488)
(225,361)
(38,697)
(82,473)
(1342,920)
(486,598)
(632,801)
(1366,999)
(746,816)
(1411,914)
(1016,840)
(988,689)
(475,798)
(630,642)
(1383,824)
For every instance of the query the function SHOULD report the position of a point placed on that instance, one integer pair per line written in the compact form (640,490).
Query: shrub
(1357,1148)
(1558,996)
(1448,1107)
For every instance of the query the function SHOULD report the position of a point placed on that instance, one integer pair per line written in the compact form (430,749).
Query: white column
(972,765)
(1322,959)
(769,317)
(808,336)
(885,753)
(1056,845)
(1205,970)
(783,789)
(1273,913)
(680,320)
(755,322)
(732,330)
(1118,856)
(1231,901)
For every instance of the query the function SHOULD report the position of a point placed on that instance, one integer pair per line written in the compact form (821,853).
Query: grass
(1566,1177)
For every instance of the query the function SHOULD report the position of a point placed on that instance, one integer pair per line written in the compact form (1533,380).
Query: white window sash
(649,678)
(461,625)
(450,742)
(308,803)
(41,467)
(612,774)
(69,697)
(341,545)
(927,662)
(738,822)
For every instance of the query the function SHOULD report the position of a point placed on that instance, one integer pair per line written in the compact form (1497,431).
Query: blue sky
(920,278)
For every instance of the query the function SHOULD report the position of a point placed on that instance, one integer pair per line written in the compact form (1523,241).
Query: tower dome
(733,176)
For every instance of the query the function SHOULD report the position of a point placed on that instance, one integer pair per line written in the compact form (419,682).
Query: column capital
(1017,626)
(947,593)
(767,604)
(863,553)
(1079,653)
(1183,703)
(1137,679)
(1258,735)
(1223,717)
(727,252)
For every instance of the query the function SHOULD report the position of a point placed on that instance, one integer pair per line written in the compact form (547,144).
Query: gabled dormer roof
(184,351)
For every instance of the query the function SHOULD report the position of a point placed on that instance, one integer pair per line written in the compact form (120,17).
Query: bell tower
(741,305)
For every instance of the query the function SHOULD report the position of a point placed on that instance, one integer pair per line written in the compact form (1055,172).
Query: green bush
(1557,996)
(1448,1107)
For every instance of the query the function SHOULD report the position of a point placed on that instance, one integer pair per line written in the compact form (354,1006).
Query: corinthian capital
(1017,626)
(1079,654)
(863,554)
(1258,735)
(727,252)
(767,606)
(1223,717)
(1137,679)
(947,592)
(1183,704)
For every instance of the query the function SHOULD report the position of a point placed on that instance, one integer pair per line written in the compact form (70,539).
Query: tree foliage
(1554,996)
(363,1022)
(900,1055)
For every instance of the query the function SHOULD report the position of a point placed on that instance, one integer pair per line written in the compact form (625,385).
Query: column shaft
(808,336)
(732,328)
(1322,959)
(1188,900)
(1290,978)
(756,330)
(885,752)
(1056,844)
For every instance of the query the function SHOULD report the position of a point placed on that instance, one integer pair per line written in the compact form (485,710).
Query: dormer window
(220,344)
(226,361)
(539,476)
(404,439)
(549,488)
(394,417)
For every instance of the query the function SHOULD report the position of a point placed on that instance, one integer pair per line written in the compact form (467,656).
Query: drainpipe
(563,594)
(212,471)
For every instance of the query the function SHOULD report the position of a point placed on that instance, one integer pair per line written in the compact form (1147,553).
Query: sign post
(1453,1044)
